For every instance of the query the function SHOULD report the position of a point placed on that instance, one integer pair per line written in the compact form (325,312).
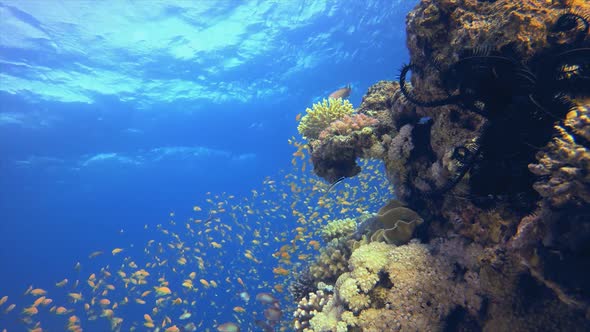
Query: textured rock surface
(501,183)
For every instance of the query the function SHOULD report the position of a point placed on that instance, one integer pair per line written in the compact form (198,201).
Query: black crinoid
(520,103)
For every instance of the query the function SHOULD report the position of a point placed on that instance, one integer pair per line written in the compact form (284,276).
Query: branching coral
(321,115)
(553,240)
(308,307)
(332,261)
(350,293)
(565,165)
(322,312)
(303,284)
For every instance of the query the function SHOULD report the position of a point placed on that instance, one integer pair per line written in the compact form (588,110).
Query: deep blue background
(224,134)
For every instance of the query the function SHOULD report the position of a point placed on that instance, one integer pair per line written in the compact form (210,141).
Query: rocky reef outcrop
(485,136)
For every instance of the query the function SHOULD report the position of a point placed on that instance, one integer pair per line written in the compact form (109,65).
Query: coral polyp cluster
(391,288)
(338,228)
(347,125)
(564,167)
(321,115)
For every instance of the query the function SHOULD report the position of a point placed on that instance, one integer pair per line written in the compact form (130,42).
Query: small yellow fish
(61,283)
(172,328)
(94,254)
(30,311)
(10,308)
(116,251)
(161,291)
(239,309)
(38,292)
(61,311)
(38,301)
(75,296)
(280,271)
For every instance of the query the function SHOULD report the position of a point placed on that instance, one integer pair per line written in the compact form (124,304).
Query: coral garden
(485,138)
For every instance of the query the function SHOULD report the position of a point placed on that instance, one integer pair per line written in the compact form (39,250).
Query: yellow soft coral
(366,262)
(351,294)
(338,228)
(372,257)
(327,319)
(321,115)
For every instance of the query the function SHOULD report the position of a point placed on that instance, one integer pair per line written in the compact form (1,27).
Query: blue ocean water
(119,116)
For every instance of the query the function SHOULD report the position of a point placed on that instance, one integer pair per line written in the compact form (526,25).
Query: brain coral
(321,115)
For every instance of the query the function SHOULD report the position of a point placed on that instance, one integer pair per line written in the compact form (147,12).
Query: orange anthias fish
(341,93)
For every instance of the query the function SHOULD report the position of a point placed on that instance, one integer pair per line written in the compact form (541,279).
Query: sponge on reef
(398,223)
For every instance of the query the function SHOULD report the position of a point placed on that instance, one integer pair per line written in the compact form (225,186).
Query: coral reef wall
(487,140)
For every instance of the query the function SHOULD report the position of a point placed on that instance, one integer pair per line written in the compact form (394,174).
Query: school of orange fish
(230,248)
